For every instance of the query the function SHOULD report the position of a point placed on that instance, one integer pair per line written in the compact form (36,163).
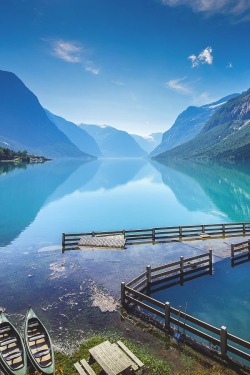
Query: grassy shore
(160,354)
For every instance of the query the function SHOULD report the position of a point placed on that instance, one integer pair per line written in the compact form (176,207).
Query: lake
(39,202)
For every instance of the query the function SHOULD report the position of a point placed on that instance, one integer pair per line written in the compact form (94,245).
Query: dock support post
(244,228)
(148,275)
(167,315)
(223,341)
(63,242)
(180,231)
(181,270)
(153,234)
(210,262)
(123,293)
(232,251)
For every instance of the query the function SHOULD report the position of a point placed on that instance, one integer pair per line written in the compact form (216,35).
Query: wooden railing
(240,253)
(134,293)
(163,234)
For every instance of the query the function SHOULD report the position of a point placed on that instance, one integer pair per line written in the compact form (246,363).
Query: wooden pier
(70,241)
(136,293)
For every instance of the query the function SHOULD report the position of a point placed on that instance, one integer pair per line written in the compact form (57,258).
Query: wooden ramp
(102,242)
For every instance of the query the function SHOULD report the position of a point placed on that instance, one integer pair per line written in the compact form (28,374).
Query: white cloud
(229,65)
(238,8)
(67,51)
(73,52)
(202,99)
(178,85)
(91,69)
(205,57)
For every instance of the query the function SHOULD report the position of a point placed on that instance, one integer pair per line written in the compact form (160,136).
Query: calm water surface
(39,202)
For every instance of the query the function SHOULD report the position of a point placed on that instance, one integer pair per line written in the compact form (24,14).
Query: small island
(8,155)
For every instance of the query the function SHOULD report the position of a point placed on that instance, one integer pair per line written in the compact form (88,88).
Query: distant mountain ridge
(114,143)
(188,124)
(148,143)
(82,139)
(226,135)
(24,124)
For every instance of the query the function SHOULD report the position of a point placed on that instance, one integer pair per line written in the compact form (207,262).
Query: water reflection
(198,186)
(26,189)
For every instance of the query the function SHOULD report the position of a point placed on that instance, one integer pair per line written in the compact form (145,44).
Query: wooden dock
(136,293)
(70,241)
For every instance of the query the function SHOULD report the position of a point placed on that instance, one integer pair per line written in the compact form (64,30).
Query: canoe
(38,344)
(13,358)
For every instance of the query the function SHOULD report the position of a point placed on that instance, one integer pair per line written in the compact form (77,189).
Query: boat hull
(13,358)
(38,344)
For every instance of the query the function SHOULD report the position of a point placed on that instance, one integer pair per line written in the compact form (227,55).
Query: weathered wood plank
(130,354)
(79,369)
(87,367)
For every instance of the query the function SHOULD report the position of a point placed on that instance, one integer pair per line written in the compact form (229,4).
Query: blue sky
(131,64)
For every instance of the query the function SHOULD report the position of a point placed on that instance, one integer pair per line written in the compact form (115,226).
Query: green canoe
(13,359)
(38,344)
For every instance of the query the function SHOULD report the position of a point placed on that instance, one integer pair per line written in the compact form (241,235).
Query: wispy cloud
(229,65)
(73,52)
(67,51)
(119,83)
(204,57)
(179,86)
(238,8)
(91,69)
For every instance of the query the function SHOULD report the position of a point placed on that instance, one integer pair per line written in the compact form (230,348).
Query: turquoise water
(39,202)
(222,299)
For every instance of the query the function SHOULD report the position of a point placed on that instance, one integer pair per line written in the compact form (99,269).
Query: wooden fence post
(223,229)
(244,228)
(223,341)
(180,231)
(181,270)
(203,229)
(63,239)
(210,262)
(232,251)
(167,315)
(248,249)
(123,293)
(124,233)
(148,275)
(93,234)
(153,234)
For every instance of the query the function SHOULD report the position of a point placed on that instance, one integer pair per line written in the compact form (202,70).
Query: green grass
(153,364)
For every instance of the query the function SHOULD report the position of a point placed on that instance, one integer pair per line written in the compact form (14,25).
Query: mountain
(189,124)
(148,143)
(114,143)
(25,125)
(78,136)
(226,135)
